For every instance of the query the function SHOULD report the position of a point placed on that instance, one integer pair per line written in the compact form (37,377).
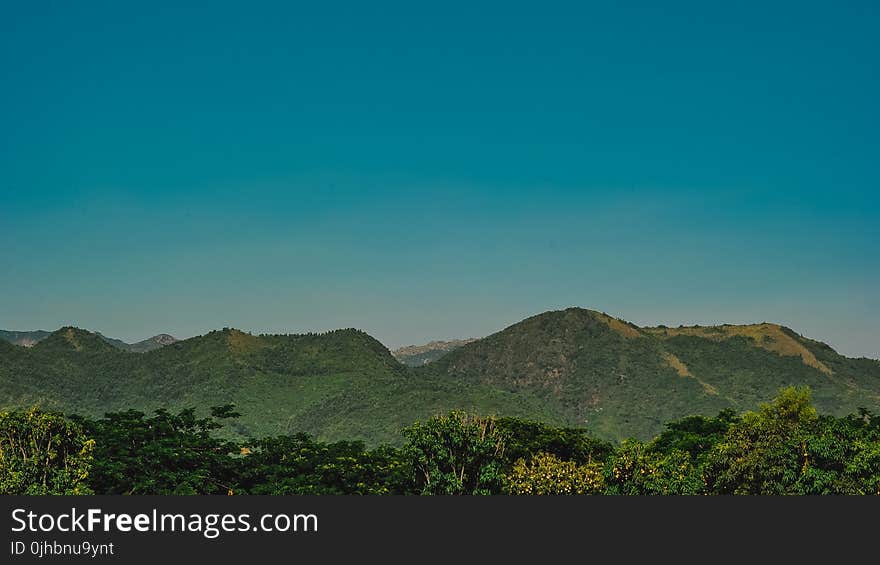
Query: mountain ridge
(572,367)
(32,338)
(23,338)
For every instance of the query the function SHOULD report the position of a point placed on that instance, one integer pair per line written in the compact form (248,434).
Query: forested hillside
(573,367)
(785,447)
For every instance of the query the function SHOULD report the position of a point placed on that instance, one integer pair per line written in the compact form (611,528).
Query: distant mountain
(25,339)
(148,344)
(418,355)
(155,342)
(570,367)
(29,339)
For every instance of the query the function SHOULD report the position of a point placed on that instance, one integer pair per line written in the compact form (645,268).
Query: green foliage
(527,439)
(766,452)
(43,453)
(842,456)
(696,435)
(456,454)
(163,454)
(300,465)
(635,469)
(783,448)
(547,474)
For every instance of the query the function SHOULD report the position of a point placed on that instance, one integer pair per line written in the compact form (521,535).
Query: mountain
(418,355)
(29,339)
(70,339)
(571,367)
(342,384)
(25,339)
(620,380)
(155,342)
(148,344)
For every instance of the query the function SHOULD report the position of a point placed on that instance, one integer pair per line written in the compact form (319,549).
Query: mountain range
(572,367)
(24,339)
(31,338)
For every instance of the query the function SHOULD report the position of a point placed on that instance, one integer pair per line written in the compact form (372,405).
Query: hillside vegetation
(574,367)
(785,447)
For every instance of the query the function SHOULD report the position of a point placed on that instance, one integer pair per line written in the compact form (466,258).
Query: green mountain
(342,384)
(571,367)
(29,339)
(70,339)
(418,355)
(620,380)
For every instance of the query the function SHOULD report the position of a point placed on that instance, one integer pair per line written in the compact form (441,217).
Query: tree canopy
(784,447)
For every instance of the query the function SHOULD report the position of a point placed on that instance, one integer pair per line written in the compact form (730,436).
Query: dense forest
(783,447)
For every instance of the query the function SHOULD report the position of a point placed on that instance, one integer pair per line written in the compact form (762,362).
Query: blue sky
(426,172)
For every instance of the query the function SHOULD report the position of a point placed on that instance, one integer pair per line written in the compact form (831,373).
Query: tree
(695,434)
(455,454)
(842,456)
(43,453)
(163,454)
(547,474)
(636,469)
(526,439)
(299,465)
(766,452)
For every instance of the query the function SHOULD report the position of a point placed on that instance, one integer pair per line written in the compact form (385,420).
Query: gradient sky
(441,171)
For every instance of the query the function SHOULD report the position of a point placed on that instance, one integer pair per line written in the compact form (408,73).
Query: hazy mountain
(25,339)
(574,367)
(418,355)
(29,339)
(148,344)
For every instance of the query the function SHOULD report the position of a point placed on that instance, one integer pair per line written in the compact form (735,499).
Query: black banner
(265,529)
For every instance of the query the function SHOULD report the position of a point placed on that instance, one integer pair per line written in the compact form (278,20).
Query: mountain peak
(163,339)
(71,338)
(151,343)
(575,317)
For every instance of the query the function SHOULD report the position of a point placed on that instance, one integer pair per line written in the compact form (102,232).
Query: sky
(439,170)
